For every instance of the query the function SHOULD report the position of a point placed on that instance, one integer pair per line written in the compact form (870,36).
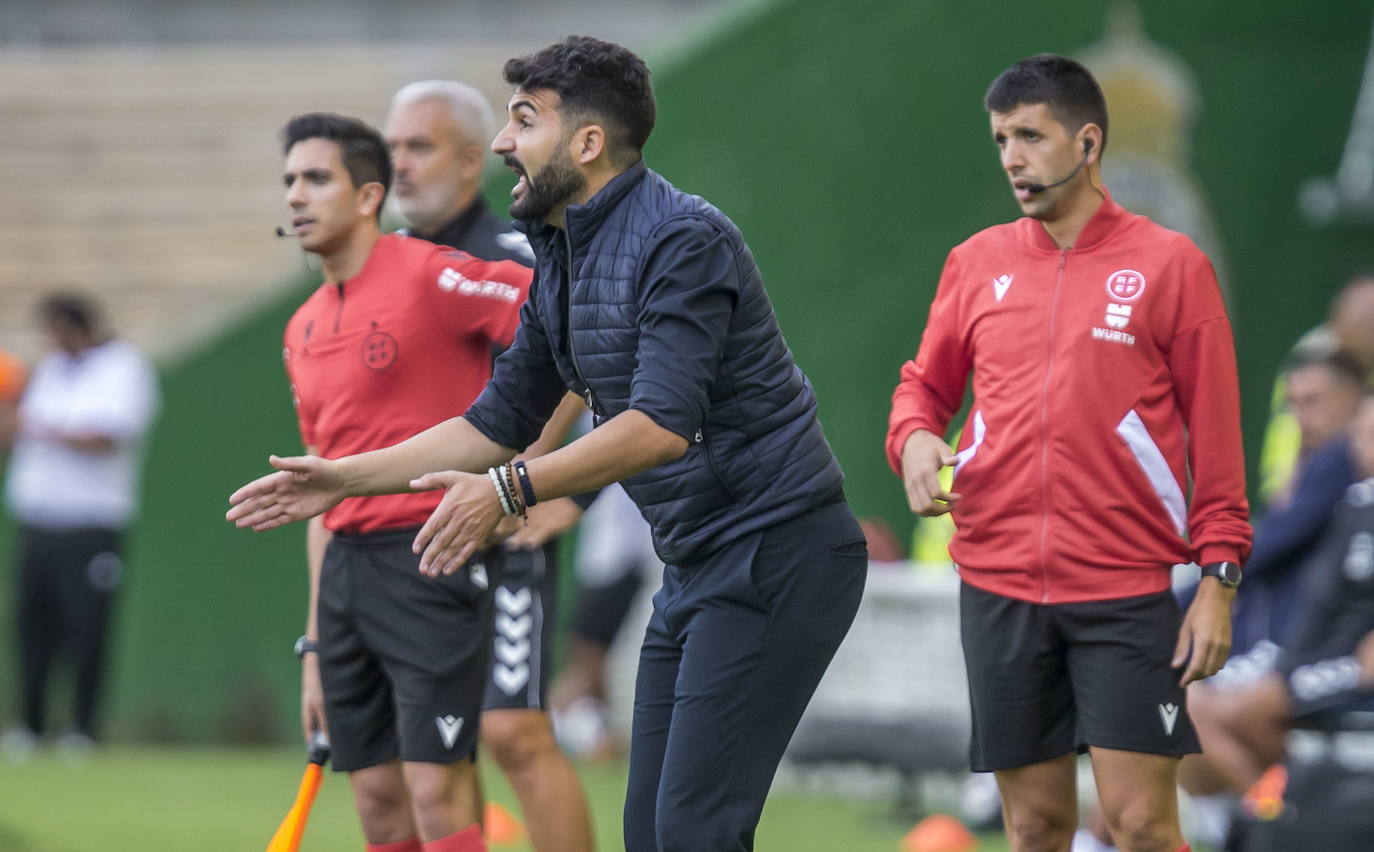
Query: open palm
(302,487)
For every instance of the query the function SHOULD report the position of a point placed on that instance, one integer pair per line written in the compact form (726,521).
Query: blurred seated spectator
(1323,393)
(1244,712)
(1350,328)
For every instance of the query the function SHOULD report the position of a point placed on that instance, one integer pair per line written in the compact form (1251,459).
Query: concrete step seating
(149,176)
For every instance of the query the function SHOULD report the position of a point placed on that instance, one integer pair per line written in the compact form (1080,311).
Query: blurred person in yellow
(438,132)
(1349,327)
(73,487)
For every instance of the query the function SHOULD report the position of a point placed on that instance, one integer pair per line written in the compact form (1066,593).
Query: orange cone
(939,833)
(501,827)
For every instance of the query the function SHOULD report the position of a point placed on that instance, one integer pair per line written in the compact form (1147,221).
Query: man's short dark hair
(1340,364)
(1064,86)
(363,149)
(71,308)
(594,79)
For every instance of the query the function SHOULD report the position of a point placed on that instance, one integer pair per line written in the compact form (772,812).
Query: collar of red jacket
(1103,222)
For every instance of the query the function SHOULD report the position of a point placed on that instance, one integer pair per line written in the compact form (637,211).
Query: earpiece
(1087,146)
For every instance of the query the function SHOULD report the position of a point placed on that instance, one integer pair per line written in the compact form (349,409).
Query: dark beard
(553,185)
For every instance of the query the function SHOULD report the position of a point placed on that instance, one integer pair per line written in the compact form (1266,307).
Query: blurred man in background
(397,338)
(438,132)
(1104,381)
(73,487)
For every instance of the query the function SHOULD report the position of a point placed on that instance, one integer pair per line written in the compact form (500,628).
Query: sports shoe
(75,747)
(18,744)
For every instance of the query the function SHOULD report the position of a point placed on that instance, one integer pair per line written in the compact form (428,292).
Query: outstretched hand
(464,521)
(302,487)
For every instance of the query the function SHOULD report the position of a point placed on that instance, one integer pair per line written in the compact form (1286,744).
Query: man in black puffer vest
(649,305)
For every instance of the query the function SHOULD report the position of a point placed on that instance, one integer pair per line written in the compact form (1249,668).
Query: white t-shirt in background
(108,390)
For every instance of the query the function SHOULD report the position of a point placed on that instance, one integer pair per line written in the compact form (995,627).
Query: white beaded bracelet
(501,491)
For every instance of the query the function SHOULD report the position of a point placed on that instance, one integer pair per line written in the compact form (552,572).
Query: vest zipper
(1045,436)
(338,314)
(700,438)
(587,395)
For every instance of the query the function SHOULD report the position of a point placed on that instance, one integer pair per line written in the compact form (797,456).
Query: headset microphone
(282,232)
(1036,188)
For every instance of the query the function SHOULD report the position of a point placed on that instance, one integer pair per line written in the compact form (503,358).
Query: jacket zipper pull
(591,406)
(698,437)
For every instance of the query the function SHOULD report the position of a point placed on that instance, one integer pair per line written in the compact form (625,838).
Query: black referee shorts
(403,656)
(1047,680)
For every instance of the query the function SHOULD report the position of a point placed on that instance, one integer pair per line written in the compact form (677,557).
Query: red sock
(411,845)
(1184,848)
(467,840)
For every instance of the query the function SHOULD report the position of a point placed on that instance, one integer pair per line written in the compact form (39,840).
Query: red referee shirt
(402,345)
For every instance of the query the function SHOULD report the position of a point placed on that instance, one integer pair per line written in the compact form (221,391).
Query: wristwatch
(306,646)
(1227,572)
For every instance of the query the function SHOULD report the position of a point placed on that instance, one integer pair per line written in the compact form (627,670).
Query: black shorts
(403,656)
(1049,680)
(601,610)
(522,630)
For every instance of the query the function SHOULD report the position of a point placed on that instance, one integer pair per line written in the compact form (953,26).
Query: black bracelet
(526,490)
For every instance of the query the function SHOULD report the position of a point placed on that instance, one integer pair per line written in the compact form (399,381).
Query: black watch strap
(1227,572)
(305,646)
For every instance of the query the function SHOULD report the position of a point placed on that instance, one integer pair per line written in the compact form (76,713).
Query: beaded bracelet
(508,479)
(506,506)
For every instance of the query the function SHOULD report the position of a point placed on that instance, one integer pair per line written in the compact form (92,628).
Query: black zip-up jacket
(649,299)
(482,234)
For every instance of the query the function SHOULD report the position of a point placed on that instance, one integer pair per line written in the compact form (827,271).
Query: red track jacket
(402,345)
(1104,375)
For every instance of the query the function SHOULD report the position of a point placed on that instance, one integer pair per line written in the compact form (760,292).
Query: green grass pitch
(131,799)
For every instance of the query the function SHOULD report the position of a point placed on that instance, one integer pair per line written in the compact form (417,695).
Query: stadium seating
(149,174)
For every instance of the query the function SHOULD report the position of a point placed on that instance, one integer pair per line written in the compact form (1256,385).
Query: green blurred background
(848,141)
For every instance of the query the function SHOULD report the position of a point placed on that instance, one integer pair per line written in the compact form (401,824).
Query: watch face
(1227,572)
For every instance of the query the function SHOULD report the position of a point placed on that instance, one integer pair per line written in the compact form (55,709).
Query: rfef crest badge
(379,350)
(1125,285)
